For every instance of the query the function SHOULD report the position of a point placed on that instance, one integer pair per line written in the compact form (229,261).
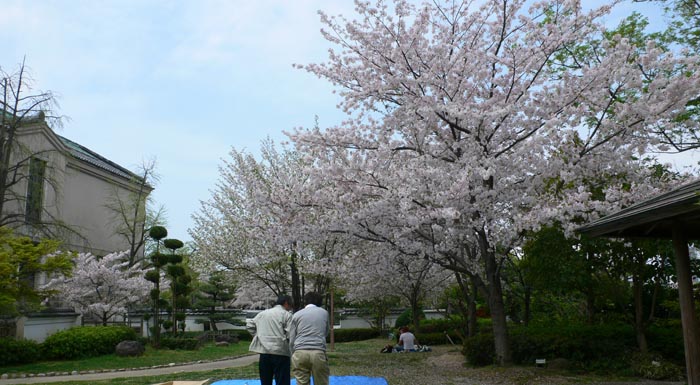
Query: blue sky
(179,81)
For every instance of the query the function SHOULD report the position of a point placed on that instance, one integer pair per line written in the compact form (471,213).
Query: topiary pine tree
(179,284)
(158,260)
(215,293)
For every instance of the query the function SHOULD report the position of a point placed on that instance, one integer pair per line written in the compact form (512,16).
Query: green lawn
(443,366)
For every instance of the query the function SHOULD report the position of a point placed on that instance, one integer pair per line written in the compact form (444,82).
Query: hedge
(437,338)
(349,335)
(599,347)
(14,352)
(85,341)
(179,343)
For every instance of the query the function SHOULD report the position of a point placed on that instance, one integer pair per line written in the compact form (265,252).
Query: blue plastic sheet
(334,380)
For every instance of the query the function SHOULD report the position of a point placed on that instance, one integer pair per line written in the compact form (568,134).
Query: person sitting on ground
(407,341)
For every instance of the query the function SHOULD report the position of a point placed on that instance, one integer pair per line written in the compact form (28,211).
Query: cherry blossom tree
(257,225)
(471,124)
(103,287)
(373,272)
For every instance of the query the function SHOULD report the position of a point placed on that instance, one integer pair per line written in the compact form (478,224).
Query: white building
(68,187)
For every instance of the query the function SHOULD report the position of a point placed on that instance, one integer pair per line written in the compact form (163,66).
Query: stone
(4,376)
(129,349)
(222,343)
(559,364)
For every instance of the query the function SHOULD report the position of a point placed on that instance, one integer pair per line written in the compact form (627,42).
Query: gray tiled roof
(85,154)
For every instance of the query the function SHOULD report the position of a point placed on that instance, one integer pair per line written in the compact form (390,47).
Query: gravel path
(195,367)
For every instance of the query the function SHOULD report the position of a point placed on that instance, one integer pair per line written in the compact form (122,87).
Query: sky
(181,82)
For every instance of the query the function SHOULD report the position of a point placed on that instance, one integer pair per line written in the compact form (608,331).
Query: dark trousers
(274,366)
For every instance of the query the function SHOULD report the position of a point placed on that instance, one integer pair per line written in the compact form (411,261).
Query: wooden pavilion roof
(655,217)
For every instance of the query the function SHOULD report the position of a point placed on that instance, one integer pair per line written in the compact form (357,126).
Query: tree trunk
(296,283)
(467,304)
(499,324)
(689,320)
(471,309)
(415,314)
(498,313)
(528,300)
(639,324)
(590,305)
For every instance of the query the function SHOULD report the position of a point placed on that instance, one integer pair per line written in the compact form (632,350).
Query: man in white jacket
(270,330)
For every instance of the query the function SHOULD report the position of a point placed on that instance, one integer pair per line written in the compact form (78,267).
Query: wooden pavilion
(674,215)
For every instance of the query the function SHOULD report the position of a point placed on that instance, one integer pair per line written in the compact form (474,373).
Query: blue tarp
(335,380)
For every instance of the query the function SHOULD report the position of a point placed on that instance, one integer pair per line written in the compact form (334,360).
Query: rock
(222,343)
(222,338)
(4,376)
(74,373)
(129,349)
(559,364)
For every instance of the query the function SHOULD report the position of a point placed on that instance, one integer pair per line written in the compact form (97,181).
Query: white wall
(39,328)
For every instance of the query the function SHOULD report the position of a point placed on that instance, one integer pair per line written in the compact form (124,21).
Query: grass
(444,366)
(152,357)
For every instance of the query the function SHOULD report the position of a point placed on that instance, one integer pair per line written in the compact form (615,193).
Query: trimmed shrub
(349,335)
(439,325)
(179,343)
(13,352)
(85,341)
(243,336)
(437,338)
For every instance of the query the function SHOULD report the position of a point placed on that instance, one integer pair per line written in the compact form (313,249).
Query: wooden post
(685,295)
(332,322)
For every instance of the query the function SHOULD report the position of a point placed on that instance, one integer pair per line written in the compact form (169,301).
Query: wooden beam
(685,295)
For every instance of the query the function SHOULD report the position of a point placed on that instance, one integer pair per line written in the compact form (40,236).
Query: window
(35,190)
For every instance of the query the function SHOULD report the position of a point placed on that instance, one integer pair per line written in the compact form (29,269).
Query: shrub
(85,341)
(653,367)
(349,335)
(440,325)
(179,343)
(437,338)
(243,336)
(14,352)
(406,318)
(480,350)
(667,340)
(597,348)
(583,344)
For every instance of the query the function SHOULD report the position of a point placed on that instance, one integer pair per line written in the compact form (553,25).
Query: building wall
(76,193)
(38,328)
(85,195)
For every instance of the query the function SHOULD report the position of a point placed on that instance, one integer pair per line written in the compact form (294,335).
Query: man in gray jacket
(307,338)
(270,330)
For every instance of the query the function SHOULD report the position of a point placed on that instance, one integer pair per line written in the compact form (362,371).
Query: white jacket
(270,330)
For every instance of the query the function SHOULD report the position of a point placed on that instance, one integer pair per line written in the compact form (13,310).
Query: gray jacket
(309,329)
(270,330)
